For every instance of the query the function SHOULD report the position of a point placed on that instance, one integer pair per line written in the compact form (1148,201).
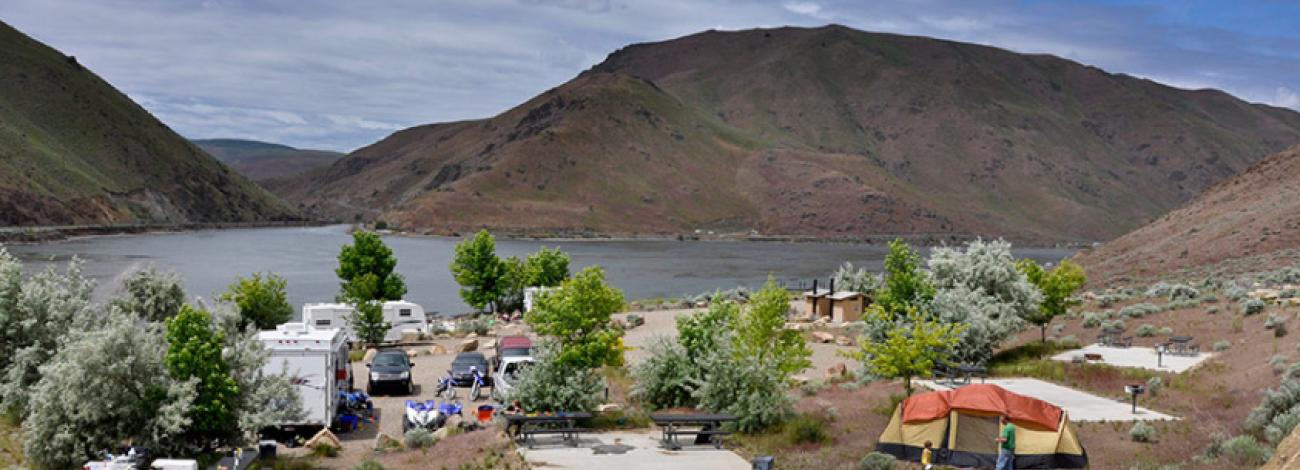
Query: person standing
(1006,444)
(927,457)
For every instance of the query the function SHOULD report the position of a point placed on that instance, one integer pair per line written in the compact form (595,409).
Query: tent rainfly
(962,426)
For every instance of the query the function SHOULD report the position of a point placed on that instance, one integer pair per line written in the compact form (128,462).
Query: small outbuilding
(835,307)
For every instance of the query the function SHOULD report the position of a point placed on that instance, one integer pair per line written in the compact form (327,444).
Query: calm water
(208,261)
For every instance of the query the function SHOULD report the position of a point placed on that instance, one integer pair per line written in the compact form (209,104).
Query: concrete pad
(1137,357)
(627,450)
(1082,406)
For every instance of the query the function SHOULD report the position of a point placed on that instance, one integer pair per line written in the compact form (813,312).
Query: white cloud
(806,8)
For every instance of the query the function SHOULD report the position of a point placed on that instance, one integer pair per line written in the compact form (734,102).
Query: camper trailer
(316,361)
(402,315)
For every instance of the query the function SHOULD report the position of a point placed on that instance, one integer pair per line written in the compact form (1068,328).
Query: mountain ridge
(261,161)
(826,132)
(76,151)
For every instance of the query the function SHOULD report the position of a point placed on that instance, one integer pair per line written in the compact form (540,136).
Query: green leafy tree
(906,284)
(479,272)
(367,321)
(578,315)
(194,352)
(150,294)
(547,267)
(761,334)
(366,270)
(910,349)
(260,299)
(513,282)
(1057,285)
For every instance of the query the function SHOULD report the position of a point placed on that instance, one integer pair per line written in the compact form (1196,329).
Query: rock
(469,345)
(384,442)
(837,371)
(799,380)
(798,326)
(412,353)
(702,304)
(441,433)
(454,421)
(822,337)
(324,437)
(472,335)
(410,336)
(437,350)
(370,354)
(609,408)
(843,341)
(1287,455)
(512,330)
(490,344)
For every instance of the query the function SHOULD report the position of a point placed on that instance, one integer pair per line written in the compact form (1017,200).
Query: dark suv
(390,369)
(460,369)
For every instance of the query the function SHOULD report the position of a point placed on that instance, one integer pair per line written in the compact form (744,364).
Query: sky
(341,74)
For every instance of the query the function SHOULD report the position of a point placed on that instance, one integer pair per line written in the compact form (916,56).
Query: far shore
(54,233)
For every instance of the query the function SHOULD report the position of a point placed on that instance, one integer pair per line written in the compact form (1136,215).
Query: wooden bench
(566,425)
(707,428)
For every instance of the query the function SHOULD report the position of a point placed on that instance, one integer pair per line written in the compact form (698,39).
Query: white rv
(401,314)
(316,361)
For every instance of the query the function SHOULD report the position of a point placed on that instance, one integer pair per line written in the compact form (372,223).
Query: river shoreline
(48,234)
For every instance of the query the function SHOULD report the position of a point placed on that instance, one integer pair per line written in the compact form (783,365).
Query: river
(209,260)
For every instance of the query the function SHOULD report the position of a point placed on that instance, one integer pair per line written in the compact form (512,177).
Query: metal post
(830,301)
(814,300)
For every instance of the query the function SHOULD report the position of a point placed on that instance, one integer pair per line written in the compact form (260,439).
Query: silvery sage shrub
(550,385)
(150,294)
(664,380)
(752,390)
(981,287)
(847,278)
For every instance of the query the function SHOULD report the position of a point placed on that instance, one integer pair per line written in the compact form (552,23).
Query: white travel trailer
(401,314)
(316,361)
(531,294)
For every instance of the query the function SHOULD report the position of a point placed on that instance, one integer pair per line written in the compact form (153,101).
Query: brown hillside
(1255,213)
(74,150)
(826,132)
(261,161)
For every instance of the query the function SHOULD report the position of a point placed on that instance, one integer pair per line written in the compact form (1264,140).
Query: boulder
(437,350)
(490,344)
(822,337)
(370,354)
(412,353)
(843,341)
(472,335)
(1287,455)
(454,421)
(799,380)
(836,371)
(702,304)
(469,345)
(441,433)
(410,336)
(609,408)
(385,442)
(324,437)
(797,326)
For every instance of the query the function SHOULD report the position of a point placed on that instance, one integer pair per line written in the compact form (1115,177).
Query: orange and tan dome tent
(962,426)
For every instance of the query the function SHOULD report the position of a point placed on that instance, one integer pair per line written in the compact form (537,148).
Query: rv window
(322,323)
(406,312)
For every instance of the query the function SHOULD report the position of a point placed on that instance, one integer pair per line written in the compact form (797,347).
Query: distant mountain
(261,161)
(826,132)
(74,150)
(1255,213)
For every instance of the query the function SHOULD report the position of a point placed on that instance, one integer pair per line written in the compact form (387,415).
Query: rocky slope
(1255,213)
(74,150)
(827,132)
(261,161)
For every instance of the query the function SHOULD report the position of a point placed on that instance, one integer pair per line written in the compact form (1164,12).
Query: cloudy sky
(340,74)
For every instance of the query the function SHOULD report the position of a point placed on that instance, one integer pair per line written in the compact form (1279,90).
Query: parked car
(504,378)
(512,346)
(390,369)
(462,365)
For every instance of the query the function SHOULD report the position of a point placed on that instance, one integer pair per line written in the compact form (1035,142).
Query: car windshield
(390,360)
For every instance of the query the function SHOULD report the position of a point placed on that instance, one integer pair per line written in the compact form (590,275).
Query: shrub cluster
(1155,385)
(877,461)
(419,439)
(1252,306)
(1165,331)
(1277,363)
(1222,345)
(1139,310)
(1092,319)
(1142,432)
(1146,330)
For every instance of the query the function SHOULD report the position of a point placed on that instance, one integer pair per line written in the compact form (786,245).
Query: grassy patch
(1032,350)
(11,443)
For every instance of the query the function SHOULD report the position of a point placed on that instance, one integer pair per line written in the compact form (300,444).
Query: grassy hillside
(74,150)
(260,161)
(826,132)
(1253,217)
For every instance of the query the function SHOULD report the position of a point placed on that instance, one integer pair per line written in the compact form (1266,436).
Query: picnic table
(707,428)
(959,375)
(1183,346)
(567,425)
